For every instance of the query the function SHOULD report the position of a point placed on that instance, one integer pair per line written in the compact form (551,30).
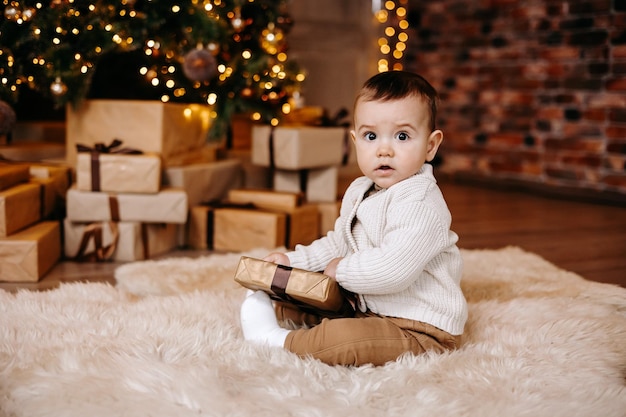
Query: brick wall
(532,91)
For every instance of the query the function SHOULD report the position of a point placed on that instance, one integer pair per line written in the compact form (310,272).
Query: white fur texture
(540,341)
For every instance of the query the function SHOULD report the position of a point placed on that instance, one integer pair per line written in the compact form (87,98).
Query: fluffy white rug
(540,341)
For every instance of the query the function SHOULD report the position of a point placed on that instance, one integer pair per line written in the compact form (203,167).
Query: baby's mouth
(384,168)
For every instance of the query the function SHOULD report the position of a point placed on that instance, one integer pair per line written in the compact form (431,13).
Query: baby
(391,245)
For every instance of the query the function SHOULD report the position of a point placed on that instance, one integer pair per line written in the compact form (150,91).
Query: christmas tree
(230,54)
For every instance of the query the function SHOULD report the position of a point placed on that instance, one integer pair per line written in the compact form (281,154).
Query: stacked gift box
(132,197)
(254,218)
(31,204)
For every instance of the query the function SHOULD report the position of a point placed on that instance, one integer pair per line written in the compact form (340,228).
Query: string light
(392,16)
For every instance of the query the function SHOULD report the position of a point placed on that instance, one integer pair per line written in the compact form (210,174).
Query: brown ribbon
(280,280)
(99,148)
(100,253)
(114,208)
(210,216)
(144,240)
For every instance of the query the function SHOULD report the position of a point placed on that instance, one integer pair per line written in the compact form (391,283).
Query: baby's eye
(402,136)
(370,135)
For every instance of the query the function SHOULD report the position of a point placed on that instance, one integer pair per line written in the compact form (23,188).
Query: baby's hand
(331,268)
(278,258)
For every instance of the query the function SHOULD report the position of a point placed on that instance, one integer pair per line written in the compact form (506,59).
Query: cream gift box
(205,182)
(20,206)
(168,129)
(118,172)
(318,185)
(293,148)
(26,256)
(117,241)
(167,206)
(13,174)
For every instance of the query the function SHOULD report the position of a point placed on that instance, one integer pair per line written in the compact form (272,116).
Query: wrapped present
(20,206)
(204,182)
(28,255)
(13,174)
(117,241)
(297,286)
(329,212)
(168,129)
(114,169)
(293,148)
(318,185)
(236,229)
(245,227)
(167,206)
(54,181)
(266,199)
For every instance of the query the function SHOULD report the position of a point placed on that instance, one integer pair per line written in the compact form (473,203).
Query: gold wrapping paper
(168,129)
(13,174)
(119,173)
(241,229)
(266,199)
(26,256)
(291,284)
(298,147)
(20,206)
(167,206)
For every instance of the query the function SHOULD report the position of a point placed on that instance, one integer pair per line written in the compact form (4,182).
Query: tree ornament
(58,87)
(11,12)
(199,65)
(28,13)
(7,118)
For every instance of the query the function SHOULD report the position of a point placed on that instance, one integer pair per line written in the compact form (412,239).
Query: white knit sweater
(398,251)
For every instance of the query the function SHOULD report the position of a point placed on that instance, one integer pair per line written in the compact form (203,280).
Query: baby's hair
(394,85)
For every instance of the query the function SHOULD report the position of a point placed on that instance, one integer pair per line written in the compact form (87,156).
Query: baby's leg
(365,340)
(258,320)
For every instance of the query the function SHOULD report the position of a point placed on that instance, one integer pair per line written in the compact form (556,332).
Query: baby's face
(393,138)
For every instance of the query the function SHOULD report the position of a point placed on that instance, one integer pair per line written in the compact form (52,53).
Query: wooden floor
(586,238)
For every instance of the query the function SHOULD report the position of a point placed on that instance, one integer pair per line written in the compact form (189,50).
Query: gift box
(329,212)
(205,182)
(13,174)
(318,185)
(246,226)
(294,285)
(167,206)
(20,206)
(239,230)
(293,148)
(266,199)
(168,129)
(113,172)
(117,241)
(28,255)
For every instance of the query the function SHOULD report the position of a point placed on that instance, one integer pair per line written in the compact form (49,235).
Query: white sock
(258,320)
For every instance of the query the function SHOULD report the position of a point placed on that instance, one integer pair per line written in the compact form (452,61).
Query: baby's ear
(434,140)
(353,135)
